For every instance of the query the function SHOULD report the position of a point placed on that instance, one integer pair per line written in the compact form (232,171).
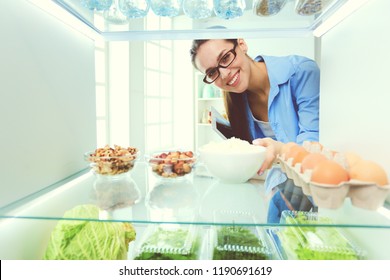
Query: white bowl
(233,166)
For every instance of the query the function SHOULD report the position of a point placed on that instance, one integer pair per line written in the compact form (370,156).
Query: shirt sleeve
(306,82)
(275,177)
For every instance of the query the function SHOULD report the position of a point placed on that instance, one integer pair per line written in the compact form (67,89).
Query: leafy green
(168,245)
(88,240)
(238,243)
(315,243)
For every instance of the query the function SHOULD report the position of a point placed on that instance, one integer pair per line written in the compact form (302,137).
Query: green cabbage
(89,240)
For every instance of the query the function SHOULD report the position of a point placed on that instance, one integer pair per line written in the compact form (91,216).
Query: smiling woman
(269,100)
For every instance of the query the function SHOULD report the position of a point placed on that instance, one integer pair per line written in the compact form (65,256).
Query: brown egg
(315,143)
(313,146)
(310,161)
(351,158)
(329,172)
(300,156)
(294,151)
(368,171)
(286,147)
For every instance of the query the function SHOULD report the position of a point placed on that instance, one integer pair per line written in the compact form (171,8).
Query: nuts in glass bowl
(112,160)
(171,164)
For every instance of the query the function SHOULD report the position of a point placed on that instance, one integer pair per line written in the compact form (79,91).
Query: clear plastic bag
(166,8)
(134,8)
(311,7)
(229,9)
(198,9)
(268,7)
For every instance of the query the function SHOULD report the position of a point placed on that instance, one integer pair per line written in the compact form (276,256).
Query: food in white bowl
(233,160)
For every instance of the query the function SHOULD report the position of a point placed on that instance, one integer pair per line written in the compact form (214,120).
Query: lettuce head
(80,239)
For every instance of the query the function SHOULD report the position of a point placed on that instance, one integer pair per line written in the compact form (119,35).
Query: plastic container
(313,242)
(268,7)
(239,241)
(169,242)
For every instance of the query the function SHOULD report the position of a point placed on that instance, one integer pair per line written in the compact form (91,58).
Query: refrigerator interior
(47,71)
(48,100)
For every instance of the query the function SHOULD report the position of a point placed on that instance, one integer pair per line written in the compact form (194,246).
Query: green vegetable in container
(315,243)
(89,240)
(238,243)
(169,245)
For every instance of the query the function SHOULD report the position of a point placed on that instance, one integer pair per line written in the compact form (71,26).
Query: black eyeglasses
(228,58)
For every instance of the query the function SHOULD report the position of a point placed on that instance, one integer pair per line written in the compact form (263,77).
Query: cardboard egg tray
(364,195)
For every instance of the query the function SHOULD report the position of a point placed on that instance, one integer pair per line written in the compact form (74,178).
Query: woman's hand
(273,150)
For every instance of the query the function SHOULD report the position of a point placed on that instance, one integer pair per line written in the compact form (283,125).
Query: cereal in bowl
(172,164)
(112,160)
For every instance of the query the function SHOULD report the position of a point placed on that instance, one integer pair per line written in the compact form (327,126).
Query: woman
(269,101)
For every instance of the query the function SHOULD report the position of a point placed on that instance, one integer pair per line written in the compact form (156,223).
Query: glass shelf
(197,201)
(285,23)
(191,200)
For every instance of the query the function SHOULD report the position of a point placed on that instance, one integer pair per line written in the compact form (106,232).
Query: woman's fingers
(270,156)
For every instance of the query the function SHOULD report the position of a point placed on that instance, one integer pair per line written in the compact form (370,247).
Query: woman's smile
(234,80)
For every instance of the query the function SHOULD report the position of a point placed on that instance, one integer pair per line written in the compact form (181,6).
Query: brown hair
(196,45)
(235,104)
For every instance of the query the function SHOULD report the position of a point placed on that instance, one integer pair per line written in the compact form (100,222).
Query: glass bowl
(112,160)
(171,164)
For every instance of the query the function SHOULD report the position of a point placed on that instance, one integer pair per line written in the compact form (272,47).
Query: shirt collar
(279,70)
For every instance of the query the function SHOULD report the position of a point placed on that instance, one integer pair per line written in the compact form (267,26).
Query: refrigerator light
(343,12)
(55,10)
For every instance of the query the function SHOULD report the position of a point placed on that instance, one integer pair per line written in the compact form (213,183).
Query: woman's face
(234,78)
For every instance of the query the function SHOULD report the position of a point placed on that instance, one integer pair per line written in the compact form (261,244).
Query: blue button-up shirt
(293,104)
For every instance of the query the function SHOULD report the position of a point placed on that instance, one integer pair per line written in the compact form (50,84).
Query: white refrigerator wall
(47,107)
(355,96)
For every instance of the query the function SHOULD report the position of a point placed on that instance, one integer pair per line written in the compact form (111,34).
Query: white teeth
(232,81)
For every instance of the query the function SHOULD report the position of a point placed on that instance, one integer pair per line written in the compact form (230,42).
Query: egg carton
(294,173)
(366,195)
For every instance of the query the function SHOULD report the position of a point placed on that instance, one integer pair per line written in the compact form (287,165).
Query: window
(158,74)
(135,92)
(102,136)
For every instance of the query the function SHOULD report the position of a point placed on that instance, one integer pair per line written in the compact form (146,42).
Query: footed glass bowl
(112,160)
(115,192)
(113,187)
(171,164)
